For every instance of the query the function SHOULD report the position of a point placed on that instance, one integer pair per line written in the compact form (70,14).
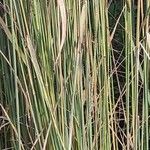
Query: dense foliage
(74,74)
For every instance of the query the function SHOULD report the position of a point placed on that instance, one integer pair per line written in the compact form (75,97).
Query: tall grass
(74,75)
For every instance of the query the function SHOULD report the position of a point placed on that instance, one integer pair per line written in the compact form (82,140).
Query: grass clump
(74,75)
